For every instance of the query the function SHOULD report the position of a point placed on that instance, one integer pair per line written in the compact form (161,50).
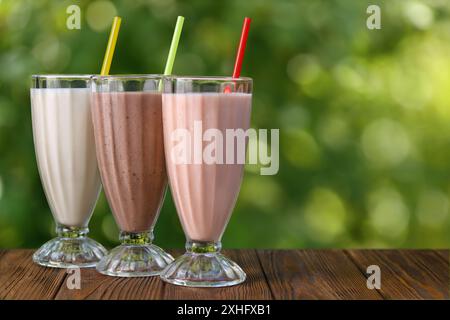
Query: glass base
(135,257)
(70,249)
(203,266)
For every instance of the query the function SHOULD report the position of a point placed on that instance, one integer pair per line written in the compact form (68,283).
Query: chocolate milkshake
(130,153)
(127,118)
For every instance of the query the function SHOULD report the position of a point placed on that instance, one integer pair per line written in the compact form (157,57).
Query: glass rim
(210,78)
(148,76)
(140,76)
(61,76)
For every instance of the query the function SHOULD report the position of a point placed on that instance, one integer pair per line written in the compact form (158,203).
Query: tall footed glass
(205,121)
(126,112)
(65,154)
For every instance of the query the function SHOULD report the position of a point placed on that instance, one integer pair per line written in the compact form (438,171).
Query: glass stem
(136,238)
(71,232)
(203,247)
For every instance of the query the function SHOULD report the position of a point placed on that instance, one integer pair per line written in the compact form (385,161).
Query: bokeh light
(256,186)
(364,115)
(432,208)
(388,214)
(303,151)
(52,54)
(99,15)
(385,142)
(419,14)
(333,131)
(325,216)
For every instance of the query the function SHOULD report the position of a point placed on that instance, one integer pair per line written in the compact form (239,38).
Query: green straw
(174,46)
(173,49)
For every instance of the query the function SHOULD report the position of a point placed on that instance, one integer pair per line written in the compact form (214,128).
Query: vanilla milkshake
(65,153)
(204,180)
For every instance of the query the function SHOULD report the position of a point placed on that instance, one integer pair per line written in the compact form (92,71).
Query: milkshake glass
(65,153)
(126,112)
(205,175)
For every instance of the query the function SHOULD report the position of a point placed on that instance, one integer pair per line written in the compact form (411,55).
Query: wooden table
(272,274)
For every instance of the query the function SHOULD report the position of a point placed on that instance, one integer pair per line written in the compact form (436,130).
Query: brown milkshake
(130,154)
(127,118)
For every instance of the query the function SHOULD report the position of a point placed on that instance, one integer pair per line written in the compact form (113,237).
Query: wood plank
(21,278)
(254,288)
(407,274)
(445,254)
(292,274)
(96,286)
(314,274)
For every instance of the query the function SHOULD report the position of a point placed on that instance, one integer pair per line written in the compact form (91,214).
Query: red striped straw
(241,50)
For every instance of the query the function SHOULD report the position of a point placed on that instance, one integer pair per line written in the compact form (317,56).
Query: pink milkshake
(205,171)
(204,194)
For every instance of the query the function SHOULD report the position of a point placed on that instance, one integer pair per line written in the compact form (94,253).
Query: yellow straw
(111,46)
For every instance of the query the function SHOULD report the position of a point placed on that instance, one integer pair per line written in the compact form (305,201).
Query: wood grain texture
(95,286)
(279,274)
(314,274)
(407,274)
(445,254)
(255,287)
(21,278)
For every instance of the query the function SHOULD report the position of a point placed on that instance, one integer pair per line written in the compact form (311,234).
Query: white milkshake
(65,153)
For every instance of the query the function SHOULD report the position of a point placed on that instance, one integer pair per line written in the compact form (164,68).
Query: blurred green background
(364,115)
